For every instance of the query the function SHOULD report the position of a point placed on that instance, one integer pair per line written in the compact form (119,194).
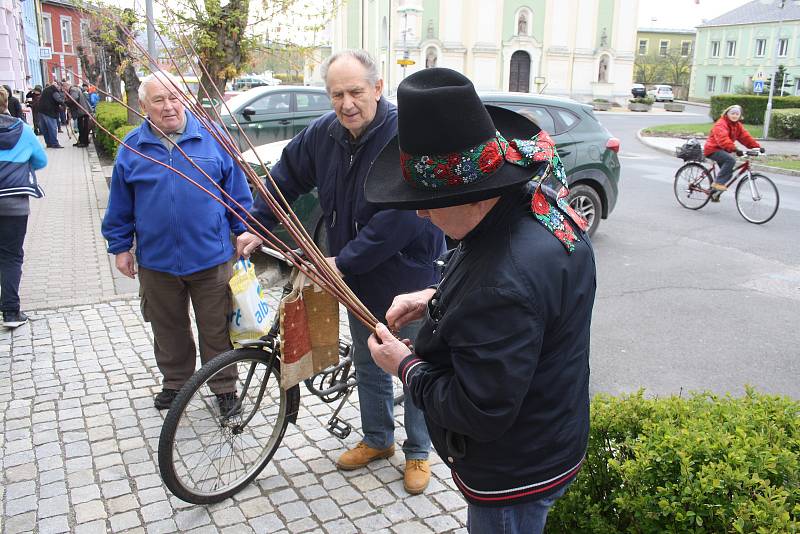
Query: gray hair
(164,78)
(362,56)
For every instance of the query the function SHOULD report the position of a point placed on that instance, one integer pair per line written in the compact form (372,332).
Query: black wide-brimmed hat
(450,149)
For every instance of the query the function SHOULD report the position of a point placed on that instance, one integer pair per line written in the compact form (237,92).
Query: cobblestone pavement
(79,441)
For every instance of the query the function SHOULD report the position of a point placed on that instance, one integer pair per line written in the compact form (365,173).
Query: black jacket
(381,252)
(502,372)
(52,98)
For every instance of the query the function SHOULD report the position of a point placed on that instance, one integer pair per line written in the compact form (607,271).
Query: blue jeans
(12,235)
(525,518)
(726,163)
(375,395)
(49,127)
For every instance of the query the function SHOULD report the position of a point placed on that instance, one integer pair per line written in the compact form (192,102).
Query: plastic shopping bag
(250,315)
(309,332)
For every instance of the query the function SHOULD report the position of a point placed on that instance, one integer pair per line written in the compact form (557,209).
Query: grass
(784,162)
(694,130)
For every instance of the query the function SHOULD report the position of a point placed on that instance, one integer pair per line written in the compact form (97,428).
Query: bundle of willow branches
(312,262)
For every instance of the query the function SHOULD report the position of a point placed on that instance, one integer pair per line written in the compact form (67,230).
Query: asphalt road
(692,300)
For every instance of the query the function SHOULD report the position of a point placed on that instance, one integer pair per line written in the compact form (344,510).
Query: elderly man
(183,236)
(501,364)
(381,253)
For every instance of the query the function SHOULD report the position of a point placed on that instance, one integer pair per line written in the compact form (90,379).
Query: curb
(754,166)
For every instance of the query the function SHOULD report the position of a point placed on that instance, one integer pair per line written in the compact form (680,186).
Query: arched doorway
(520,74)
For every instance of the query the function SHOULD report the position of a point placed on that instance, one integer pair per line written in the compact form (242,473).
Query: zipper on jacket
(175,215)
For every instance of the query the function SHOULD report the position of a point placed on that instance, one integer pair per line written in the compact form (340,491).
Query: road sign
(758,86)
(760,76)
(405,62)
(45,52)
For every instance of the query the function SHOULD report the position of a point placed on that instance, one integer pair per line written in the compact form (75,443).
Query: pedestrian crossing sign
(758,86)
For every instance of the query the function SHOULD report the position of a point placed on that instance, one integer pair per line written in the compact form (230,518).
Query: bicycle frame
(743,169)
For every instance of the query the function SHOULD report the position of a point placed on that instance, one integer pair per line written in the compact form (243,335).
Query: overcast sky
(682,13)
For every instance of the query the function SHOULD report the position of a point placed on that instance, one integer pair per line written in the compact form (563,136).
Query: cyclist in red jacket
(722,141)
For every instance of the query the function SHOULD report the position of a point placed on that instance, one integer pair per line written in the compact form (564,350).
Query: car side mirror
(248,112)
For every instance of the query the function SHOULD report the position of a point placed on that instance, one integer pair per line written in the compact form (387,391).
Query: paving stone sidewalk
(79,442)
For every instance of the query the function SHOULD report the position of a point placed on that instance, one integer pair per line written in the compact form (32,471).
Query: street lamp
(768,112)
(405,9)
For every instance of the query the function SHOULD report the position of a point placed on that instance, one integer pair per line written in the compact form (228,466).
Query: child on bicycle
(721,143)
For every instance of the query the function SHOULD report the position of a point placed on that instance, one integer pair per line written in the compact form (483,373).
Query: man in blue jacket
(379,252)
(501,364)
(183,236)
(20,155)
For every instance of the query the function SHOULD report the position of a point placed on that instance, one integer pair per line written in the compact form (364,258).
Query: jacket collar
(342,134)
(148,136)
(10,131)
(499,212)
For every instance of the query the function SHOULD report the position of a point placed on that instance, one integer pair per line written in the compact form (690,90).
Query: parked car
(587,149)
(248,82)
(273,113)
(638,90)
(662,93)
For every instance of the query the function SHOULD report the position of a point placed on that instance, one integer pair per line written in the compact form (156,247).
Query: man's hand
(246,243)
(331,261)
(126,264)
(408,308)
(387,350)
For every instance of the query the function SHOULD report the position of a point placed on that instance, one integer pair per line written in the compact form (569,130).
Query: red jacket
(724,134)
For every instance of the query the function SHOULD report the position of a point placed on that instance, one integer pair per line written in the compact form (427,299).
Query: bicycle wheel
(757,198)
(205,456)
(692,186)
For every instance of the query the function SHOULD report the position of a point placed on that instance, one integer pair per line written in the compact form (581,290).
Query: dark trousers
(36,123)
(49,127)
(165,305)
(12,235)
(726,163)
(83,130)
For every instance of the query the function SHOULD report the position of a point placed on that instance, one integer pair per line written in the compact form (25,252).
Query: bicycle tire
(767,202)
(692,185)
(187,418)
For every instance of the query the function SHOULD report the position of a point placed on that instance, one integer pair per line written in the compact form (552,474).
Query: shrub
(111,115)
(121,132)
(785,124)
(642,100)
(676,465)
(753,107)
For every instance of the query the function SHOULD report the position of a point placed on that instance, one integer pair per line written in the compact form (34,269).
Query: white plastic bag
(249,318)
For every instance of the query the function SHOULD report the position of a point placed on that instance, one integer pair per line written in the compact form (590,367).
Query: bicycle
(206,456)
(756,196)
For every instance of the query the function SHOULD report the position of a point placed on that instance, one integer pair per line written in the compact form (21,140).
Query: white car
(662,93)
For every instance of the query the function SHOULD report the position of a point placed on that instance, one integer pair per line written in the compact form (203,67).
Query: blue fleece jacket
(179,228)
(20,155)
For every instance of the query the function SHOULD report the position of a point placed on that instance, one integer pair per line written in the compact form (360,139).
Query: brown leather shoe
(417,476)
(719,187)
(361,455)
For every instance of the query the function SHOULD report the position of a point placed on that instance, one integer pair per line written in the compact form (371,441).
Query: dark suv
(588,151)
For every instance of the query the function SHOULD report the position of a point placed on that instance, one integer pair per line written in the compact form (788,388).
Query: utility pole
(151,34)
(406,59)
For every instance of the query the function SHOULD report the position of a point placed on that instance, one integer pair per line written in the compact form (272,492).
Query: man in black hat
(500,366)
(379,252)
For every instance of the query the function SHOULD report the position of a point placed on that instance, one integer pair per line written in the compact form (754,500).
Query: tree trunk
(132,92)
(224,60)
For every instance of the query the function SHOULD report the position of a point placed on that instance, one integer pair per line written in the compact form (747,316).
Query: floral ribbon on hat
(473,165)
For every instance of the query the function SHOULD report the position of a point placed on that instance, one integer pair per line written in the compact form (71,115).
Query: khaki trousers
(165,305)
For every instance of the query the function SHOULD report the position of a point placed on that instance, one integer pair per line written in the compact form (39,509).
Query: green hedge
(113,116)
(753,107)
(785,124)
(687,465)
(121,132)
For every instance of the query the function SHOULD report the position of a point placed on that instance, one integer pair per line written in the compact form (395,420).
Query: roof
(757,11)
(666,30)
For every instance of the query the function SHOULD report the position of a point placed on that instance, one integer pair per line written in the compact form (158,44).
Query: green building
(664,56)
(754,38)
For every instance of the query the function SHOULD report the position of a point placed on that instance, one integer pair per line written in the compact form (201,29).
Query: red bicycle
(756,196)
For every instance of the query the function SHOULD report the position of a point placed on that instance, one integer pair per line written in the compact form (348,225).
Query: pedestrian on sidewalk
(500,367)
(183,236)
(32,100)
(379,252)
(721,143)
(20,156)
(14,107)
(79,108)
(49,104)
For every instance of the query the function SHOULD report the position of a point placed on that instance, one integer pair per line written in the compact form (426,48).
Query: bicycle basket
(690,151)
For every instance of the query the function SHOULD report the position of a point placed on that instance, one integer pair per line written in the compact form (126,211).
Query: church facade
(583,49)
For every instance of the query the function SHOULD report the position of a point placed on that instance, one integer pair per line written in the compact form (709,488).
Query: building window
(714,48)
(726,84)
(643,47)
(761,47)
(66,32)
(686,48)
(711,83)
(84,32)
(47,30)
(783,47)
(730,48)
(663,46)
(797,87)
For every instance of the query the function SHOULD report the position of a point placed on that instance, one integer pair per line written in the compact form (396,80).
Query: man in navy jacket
(380,253)
(183,236)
